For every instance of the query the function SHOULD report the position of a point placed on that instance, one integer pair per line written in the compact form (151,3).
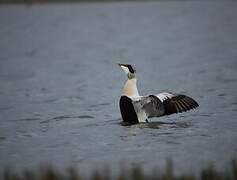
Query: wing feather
(165,95)
(179,103)
(161,104)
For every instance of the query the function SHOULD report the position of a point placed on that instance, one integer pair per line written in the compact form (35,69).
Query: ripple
(30,53)
(27,119)
(211,90)
(5,108)
(63,117)
(97,105)
(228,80)
(204,115)
(173,142)
(73,117)
(203,71)
(225,80)
(222,94)
(92,125)
(204,135)
(51,100)
(44,121)
(113,121)
(165,133)
(44,126)
(234,103)
(183,124)
(2,138)
(85,117)
(76,98)
(25,134)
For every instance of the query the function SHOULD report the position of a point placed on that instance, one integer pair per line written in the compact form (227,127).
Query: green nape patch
(135,173)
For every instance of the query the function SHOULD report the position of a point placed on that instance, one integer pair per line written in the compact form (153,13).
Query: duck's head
(129,70)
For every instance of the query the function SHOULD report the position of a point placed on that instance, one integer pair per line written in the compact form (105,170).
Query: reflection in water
(158,125)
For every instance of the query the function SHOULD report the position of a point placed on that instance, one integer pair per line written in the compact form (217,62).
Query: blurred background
(60,84)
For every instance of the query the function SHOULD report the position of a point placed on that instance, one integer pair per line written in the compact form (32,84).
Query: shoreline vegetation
(134,173)
(71,1)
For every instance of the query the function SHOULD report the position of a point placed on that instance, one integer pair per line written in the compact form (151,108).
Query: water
(60,85)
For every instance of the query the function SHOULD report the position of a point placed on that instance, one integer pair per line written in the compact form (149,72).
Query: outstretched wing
(176,103)
(162,104)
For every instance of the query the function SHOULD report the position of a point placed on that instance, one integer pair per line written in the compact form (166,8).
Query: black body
(127,110)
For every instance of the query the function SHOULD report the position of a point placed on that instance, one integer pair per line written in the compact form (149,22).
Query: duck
(135,108)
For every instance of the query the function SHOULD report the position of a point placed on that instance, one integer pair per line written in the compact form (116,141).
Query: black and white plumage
(135,108)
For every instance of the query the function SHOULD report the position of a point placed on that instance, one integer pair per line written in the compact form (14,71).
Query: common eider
(135,108)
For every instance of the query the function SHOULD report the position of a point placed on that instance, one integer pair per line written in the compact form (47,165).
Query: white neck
(130,88)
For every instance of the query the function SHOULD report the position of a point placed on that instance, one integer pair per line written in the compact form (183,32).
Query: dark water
(60,85)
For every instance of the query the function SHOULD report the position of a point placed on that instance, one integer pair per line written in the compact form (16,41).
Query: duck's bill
(122,64)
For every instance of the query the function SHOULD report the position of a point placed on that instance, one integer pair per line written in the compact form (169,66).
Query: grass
(32,2)
(66,1)
(135,173)
(56,1)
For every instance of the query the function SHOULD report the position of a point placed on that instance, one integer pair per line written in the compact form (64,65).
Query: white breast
(130,88)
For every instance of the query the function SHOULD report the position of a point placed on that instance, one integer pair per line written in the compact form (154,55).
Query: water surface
(60,85)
